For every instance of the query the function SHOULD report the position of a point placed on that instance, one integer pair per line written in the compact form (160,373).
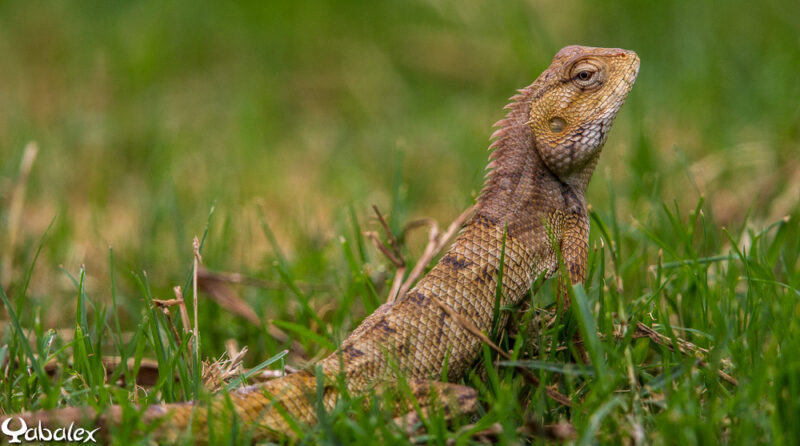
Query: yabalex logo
(42,434)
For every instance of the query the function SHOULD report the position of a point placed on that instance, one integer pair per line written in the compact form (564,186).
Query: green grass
(291,120)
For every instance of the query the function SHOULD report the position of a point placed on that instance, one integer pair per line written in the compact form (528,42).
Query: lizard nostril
(557,125)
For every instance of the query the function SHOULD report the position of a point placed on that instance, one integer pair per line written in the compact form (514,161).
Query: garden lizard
(531,213)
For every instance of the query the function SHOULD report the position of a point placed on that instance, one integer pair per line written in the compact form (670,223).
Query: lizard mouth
(631,78)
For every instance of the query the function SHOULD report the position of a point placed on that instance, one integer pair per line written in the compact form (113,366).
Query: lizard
(531,215)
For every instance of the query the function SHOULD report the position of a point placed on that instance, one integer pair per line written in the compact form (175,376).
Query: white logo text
(39,433)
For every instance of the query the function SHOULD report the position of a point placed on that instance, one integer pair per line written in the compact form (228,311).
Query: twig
(394,256)
(392,251)
(395,246)
(435,244)
(164,306)
(398,260)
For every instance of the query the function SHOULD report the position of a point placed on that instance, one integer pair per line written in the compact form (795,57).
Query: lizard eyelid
(587,73)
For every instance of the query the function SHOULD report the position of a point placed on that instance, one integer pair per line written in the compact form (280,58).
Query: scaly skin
(545,151)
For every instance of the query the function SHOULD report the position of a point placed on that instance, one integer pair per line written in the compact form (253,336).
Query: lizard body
(532,207)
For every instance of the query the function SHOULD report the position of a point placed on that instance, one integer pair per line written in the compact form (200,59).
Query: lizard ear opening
(557,124)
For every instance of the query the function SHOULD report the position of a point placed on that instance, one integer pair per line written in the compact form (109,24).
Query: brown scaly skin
(545,151)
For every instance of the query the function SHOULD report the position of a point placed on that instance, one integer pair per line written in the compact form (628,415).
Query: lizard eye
(586,74)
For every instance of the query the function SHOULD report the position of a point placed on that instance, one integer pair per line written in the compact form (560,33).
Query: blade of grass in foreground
(588,330)
(555,367)
(236,382)
(369,296)
(26,346)
(306,334)
(44,381)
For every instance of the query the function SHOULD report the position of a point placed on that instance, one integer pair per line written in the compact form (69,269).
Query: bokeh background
(298,116)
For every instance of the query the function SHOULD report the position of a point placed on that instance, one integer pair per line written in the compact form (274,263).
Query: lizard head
(573,105)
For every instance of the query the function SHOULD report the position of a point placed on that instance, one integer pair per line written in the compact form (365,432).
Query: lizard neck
(520,190)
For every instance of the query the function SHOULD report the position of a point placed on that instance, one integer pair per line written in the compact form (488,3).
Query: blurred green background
(290,114)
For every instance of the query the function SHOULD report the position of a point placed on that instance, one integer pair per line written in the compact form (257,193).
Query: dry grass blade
(224,295)
(217,374)
(469,326)
(181,307)
(15,209)
(685,347)
(205,275)
(217,288)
